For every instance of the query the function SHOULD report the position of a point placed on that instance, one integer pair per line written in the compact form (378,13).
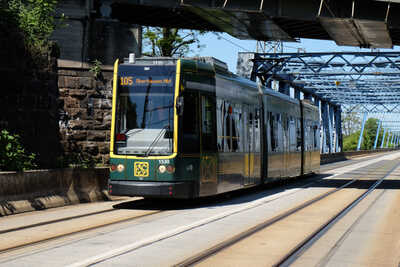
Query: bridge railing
(334,157)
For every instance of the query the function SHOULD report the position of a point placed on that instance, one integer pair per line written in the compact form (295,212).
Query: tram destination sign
(157,80)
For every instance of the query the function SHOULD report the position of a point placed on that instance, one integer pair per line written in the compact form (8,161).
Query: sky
(226,47)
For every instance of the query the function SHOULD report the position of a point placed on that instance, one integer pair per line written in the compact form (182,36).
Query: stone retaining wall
(85,114)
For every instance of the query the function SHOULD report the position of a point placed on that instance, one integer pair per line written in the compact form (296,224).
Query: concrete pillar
(361,132)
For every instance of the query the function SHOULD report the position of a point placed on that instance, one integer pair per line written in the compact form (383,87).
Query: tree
(350,141)
(36,19)
(350,123)
(170,42)
(370,128)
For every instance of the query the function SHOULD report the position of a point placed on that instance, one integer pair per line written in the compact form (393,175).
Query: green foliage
(96,68)
(170,42)
(36,19)
(13,156)
(350,142)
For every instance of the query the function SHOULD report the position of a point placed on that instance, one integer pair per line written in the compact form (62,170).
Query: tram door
(208,156)
(249,144)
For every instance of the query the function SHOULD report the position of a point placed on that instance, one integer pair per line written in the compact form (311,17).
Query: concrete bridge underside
(364,23)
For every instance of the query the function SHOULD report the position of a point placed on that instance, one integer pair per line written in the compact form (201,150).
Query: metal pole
(362,132)
(383,138)
(331,127)
(387,141)
(377,134)
(391,139)
(338,129)
(325,122)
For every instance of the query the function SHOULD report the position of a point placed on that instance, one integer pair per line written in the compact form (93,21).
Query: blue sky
(227,47)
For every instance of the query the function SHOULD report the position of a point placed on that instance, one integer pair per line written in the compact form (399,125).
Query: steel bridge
(366,23)
(365,82)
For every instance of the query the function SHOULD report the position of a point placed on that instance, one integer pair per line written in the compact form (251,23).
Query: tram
(187,128)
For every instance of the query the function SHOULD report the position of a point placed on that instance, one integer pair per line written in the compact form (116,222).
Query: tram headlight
(162,168)
(120,168)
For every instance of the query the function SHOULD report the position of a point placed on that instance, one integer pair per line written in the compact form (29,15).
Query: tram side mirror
(179,105)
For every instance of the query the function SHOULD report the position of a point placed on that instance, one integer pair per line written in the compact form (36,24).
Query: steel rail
(54,221)
(235,239)
(293,255)
(44,240)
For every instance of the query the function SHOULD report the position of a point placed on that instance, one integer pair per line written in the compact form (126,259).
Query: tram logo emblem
(142,169)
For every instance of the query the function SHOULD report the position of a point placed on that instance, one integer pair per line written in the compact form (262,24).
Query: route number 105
(126,80)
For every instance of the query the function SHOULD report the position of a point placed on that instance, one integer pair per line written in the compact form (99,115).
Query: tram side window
(208,123)
(298,135)
(316,136)
(235,132)
(285,131)
(229,118)
(311,127)
(224,126)
(230,124)
(220,124)
(257,130)
(190,124)
(279,132)
(292,134)
(273,126)
(308,136)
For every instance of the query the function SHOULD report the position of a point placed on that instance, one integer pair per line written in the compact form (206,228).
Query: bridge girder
(369,24)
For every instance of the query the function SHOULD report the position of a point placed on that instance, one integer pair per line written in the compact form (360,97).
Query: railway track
(46,234)
(203,258)
(110,212)
(197,220)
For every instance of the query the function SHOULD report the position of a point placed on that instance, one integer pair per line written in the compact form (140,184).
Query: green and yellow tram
(186,128)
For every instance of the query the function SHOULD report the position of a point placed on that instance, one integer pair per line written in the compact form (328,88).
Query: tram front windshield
(145,110)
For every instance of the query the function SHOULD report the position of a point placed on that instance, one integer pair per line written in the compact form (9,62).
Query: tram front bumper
(152,189)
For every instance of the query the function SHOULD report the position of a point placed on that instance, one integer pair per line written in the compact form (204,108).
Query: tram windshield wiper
(156,139)
(131,132)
